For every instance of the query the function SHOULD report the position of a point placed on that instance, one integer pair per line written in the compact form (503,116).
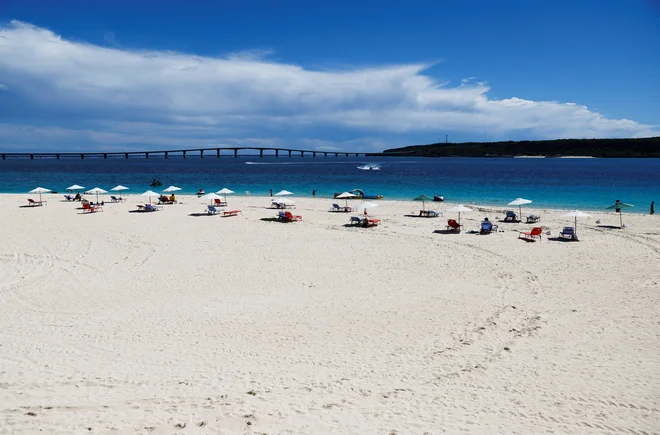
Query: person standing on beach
(271,192)
(652,208)
(314,192)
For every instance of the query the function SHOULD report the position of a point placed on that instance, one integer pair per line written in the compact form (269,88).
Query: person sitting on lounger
(172,198)
(78,197)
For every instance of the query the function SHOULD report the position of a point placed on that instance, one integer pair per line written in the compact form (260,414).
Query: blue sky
(353,75)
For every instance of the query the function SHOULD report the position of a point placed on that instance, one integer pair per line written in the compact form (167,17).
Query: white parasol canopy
(283,193)
(460,208)
(365,205)
(576,214)
(225,191)
(119,188)
(345,196)
(75,187)
(172,189)
(40,190)
(520,202)
(96,191)
(212,196)
(151,194)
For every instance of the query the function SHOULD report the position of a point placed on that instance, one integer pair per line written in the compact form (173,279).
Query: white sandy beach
(163,322)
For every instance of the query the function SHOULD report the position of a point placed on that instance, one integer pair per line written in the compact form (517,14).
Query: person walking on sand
(314,192)
(271,192)
(652,207)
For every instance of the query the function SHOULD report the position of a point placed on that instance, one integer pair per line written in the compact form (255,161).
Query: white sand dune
(165,322)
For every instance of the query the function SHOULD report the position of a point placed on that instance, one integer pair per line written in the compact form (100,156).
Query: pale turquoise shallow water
(588,184)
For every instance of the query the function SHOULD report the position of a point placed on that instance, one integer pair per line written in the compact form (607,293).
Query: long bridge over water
(194,152)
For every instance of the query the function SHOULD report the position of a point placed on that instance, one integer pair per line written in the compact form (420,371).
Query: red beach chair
(531,235)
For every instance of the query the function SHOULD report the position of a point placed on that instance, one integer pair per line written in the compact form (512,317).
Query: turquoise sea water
(588,184)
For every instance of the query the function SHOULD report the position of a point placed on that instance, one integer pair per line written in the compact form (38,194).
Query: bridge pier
(184,155)
(235,153)
(82,156)
(277,153)
(289,153)
(126,155)
(217,152)
(261,152)
(167,155)
(105,155)
(57,156)
(146,155)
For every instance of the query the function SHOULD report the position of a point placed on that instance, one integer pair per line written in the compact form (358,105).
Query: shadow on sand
(446,232)
(609,227)
(561,239)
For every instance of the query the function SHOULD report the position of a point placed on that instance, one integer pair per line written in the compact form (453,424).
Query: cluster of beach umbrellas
(460,208)
(216,195)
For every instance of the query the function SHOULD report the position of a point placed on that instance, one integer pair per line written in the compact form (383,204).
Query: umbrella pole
(620,220)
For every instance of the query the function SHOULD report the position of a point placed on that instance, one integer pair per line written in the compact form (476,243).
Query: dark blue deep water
(557,183)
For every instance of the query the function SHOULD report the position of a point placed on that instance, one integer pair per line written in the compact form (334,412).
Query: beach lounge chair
(432,214)
(211,209)
(336,207)
(569,233)
(230,213)
(531,235)
(452,225)
(367,223)
(511,217)
(219,203)
(69,198)
(34,203)
(149,207)
(532,219)
(292,218)
(356,220)
(487,227)
(115,199)
(88,208)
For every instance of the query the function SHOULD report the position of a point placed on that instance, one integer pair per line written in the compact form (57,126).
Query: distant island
(645,147)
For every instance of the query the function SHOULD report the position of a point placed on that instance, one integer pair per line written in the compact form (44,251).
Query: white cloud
(164,97)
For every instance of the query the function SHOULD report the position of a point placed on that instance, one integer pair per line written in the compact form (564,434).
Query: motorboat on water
(155,183)
(369,167)
(360,194)
(438,198)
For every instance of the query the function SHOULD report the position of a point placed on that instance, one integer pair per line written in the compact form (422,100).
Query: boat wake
(369,167)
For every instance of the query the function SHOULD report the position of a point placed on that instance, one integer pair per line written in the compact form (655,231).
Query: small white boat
(369,167)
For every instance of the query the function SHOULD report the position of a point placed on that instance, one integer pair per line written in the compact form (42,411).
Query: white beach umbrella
(172,189)
(96,191)
(365,205)
(283,193)
(119,188)
(460,208)
(151,194)
(225,191)
(75,187)
(40,190)
(345,196)
(211,196)
(576,214)
(520,202)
